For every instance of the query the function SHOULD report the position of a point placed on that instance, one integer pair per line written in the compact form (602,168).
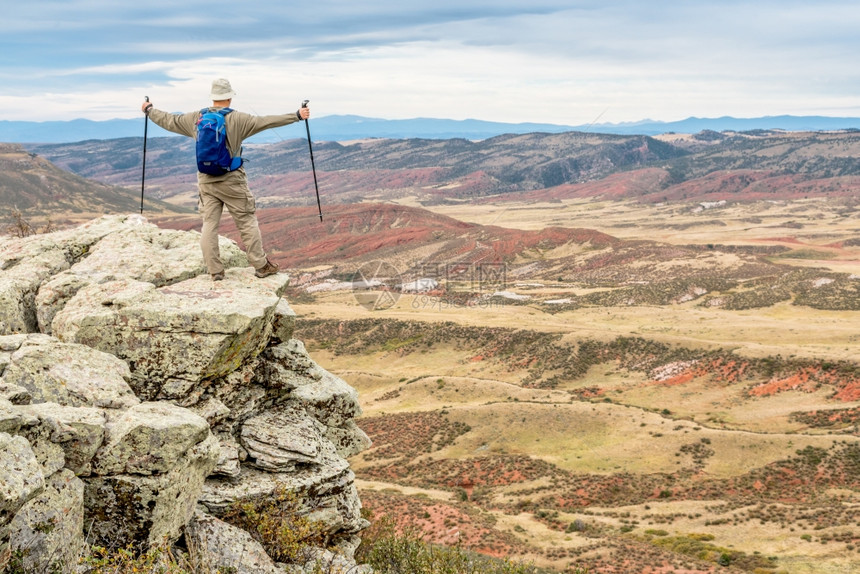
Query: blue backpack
(213,157)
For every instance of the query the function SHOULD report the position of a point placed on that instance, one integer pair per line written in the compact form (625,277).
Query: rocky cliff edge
(139,400)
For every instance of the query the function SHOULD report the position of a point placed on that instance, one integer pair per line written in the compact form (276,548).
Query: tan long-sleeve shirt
(240,126)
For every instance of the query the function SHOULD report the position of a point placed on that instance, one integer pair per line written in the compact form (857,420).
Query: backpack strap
(222,111)
(237,161)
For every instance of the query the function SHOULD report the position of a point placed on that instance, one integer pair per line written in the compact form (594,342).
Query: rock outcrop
(140,401)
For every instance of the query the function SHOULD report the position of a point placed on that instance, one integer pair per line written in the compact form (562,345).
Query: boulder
(284,322)
(349,439)
(28,262)
(18,287)
(69,374)
(15,394)
(11,343)
(75,433)
(293,357)
(279,440)
(47,534)
(288,366)
(221,547)
(141,252)
(11,417)
(211,409)
(324,560)
(330,400)
(327,397)
(180,334)
(149,438)
(148,509)
(242,395)
(230,457)
(20,476)
(329,491)
(8,345)
(53,296)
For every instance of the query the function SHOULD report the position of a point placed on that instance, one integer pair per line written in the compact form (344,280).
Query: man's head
(221,91)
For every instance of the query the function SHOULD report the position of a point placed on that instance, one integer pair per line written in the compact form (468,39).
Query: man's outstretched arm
(184,124)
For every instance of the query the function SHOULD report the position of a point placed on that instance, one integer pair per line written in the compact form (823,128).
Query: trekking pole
(143,175)
(313,167)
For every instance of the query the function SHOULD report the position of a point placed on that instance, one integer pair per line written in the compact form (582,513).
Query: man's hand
(145,107)
(304,113)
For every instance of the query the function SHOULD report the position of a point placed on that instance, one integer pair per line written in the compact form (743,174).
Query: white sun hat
(221,90)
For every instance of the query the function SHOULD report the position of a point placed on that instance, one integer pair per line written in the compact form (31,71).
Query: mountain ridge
(768,164)
(350,127)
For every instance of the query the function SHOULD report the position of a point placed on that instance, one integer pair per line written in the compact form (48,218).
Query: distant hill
(38,188)
(707,166)
(454,168)
(350,127)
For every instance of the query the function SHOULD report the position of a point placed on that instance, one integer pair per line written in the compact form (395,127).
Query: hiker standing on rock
(221,179)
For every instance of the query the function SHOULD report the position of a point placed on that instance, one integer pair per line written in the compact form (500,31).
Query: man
(230,189)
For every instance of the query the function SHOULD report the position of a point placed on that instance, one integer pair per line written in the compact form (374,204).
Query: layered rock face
(139,400)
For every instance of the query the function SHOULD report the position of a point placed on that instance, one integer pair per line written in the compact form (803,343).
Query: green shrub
(391,552)
(280,524)
(698,546)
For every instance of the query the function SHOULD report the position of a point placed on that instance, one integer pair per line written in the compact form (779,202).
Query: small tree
(49,226)
(19,227)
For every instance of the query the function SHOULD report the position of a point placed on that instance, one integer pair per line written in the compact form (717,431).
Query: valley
(668,435)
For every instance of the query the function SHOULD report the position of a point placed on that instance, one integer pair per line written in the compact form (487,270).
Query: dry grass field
(816,225)
(675,437)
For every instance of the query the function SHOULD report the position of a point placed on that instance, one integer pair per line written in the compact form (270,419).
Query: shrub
(157,560)
(280,524)
(19,226)
(576,526)
(390,552)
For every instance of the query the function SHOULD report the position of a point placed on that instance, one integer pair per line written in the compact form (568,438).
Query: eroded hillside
(40,189)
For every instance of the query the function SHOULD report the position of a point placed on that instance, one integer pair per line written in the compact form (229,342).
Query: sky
(567,62)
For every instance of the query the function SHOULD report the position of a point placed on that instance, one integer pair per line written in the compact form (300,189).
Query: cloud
(542,60)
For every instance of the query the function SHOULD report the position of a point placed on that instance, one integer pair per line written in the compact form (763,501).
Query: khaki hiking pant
(235,195)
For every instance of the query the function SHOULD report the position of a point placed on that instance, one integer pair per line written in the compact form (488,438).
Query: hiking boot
(218,276)
(268,269)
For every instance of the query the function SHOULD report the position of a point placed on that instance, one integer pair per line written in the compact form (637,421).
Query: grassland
(460,444)
(816,225)
(626,438)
